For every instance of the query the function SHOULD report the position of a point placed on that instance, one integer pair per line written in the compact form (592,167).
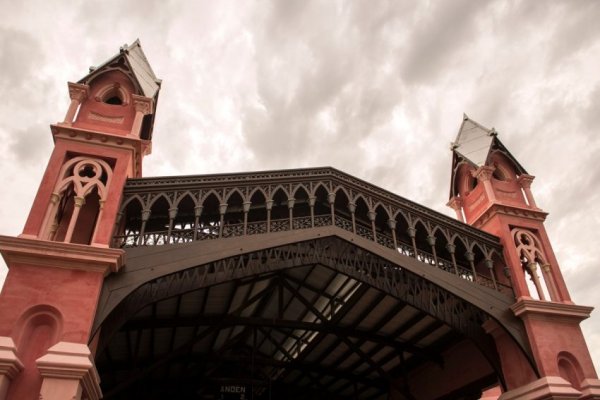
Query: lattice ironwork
(159,211)
(331,252)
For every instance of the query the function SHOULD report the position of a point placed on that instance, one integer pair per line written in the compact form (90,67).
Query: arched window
(535,265)
(77,200)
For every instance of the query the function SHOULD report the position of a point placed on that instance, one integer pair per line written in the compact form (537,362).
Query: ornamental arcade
(289,284)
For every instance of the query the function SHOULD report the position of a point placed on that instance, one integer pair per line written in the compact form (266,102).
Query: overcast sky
(374,88)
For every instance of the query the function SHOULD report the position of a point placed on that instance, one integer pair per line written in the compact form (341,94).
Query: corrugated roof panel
(399,320)
(378,311)
(416,328)
(434,336)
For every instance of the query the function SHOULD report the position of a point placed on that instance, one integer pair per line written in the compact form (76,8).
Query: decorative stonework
(494,209)
(525,180)
(549,387)
(528,246)
(64,368)
(105,118)
(483,173)
(10,365)
(531,308)
(60,255)
(143,104)
(79,177)
(78,92)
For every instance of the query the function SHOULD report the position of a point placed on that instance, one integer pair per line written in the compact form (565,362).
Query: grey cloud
(442,31)
(334,78)
(21,55)
(31,144)
(578,30)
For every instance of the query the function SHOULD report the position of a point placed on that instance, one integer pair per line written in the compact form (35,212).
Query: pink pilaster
(10,365)
(68,372)
(525,182)
(484,174)
(78,93)
(143,106)
(456,204)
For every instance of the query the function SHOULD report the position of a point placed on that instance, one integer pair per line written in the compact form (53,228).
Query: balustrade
(198,210)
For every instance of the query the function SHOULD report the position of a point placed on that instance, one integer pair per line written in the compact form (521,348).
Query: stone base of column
(590,389)
(69,373)
(547,388)
(10,365)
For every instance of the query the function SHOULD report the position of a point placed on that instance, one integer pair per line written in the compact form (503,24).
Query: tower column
(525,182)
(484,174)
(78,93)
(68,372)
(143,106)
(456,204)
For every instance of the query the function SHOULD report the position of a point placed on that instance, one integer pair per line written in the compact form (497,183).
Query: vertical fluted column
(456,204)
(145,216)
(470,256)
(525,182)
(172,216)
(311,202)
(331,200)
(269,205)
(372,215)
(352,208)
(291,201)
(532,268)
(484,175)
(392,225)
(78,202)
(451,247)
(197,214)
(78,93)
(490,266)
(431,241)
(550,283)
(412,232)
(45,232)
(222,211)
(246,208)
(98,218)
(143,106)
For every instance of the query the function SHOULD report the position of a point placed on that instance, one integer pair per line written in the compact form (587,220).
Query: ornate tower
(491,190)
(57,265)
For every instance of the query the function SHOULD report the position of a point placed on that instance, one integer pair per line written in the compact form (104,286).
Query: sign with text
(235,392)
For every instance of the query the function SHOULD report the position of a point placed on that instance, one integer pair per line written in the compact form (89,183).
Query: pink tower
(490,190)
(58,264)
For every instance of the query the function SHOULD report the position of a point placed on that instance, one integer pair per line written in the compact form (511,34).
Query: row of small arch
(199,197)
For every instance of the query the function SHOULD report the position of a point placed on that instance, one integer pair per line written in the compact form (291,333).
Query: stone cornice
(549,387)
(531,308)
(137,146)
(495,208)
(60,255)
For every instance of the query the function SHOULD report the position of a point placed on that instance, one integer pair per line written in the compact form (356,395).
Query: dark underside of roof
(302,333)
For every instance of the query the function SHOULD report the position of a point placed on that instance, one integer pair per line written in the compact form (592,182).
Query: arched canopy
(316,274)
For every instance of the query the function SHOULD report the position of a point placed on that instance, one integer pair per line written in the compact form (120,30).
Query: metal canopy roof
(298,333)
(135,58)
